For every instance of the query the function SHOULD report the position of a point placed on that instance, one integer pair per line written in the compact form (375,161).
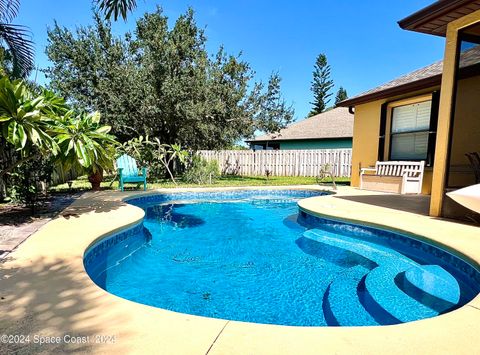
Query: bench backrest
(397,168)
(128,165)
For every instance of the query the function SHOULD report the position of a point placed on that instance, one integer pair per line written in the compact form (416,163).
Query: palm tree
(16,38)
(116,8)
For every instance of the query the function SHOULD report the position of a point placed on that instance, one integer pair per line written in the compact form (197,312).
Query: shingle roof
(425,77)
(335,123)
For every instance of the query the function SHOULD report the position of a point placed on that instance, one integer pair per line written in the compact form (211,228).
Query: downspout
(351,110)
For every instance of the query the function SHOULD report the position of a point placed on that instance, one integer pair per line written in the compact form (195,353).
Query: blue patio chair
(128,172)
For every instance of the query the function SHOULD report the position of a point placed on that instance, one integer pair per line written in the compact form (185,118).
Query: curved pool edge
(138,326)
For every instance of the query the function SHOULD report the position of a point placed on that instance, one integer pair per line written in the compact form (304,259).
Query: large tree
(341,95)
(97,72)
(321,85)
(162,82)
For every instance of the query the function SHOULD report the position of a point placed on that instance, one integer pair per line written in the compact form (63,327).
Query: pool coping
(36,264)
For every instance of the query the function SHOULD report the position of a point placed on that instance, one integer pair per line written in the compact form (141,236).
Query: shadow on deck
(418,204)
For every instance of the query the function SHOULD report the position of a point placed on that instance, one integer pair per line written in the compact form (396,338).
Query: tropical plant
(85,145)
(168,154)
(141,148)
(25,119)
(162,159)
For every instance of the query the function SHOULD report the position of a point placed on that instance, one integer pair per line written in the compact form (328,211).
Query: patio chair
(128,172)
(474,159)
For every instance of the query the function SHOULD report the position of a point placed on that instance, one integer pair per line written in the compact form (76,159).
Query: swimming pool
(249,256)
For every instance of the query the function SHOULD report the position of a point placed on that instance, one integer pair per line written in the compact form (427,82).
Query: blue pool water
(250,256)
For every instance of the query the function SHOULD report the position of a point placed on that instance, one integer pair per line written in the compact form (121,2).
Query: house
(328,130)
(430,114)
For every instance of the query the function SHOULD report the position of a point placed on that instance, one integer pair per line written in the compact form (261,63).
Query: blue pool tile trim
(99,248)
(219,195)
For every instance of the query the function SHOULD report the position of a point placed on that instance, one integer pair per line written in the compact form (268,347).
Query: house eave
(434,18)
(394,91)
(295,139)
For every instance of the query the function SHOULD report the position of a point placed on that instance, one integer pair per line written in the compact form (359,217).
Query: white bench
(404,177)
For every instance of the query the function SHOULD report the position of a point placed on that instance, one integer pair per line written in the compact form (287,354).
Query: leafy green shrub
(201,171)
(27,182)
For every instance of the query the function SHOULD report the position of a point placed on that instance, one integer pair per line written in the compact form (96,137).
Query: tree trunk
(95,179)
(3,190)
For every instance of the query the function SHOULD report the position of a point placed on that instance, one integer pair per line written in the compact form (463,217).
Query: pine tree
(321,85)
(341,95)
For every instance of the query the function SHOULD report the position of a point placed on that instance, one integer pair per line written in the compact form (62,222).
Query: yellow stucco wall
(466,132)
(365,137)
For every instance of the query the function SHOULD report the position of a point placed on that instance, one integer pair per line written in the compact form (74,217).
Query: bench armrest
(144,171)
(120,170)
(406,171)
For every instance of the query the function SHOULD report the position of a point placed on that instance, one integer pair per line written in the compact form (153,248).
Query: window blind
(410,146)
(410,126)
(415,117)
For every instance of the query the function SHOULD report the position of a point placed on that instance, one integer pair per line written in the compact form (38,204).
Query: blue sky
(362,40)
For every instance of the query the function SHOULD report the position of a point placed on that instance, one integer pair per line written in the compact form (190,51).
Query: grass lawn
(83,184)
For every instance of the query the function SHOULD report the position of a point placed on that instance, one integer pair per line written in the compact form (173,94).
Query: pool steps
(344,291)
(380,284)
(434,280)
(383,292)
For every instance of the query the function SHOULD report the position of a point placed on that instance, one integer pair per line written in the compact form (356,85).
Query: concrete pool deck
(46,293)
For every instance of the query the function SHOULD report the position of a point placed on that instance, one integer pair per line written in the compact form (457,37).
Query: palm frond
(116,7)
(21,47)
(9,10)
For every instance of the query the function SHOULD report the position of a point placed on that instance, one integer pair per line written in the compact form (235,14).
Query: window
(410,131)
(266,146)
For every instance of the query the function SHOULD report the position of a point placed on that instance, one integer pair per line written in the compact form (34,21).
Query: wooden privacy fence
(61,176)
(281,162)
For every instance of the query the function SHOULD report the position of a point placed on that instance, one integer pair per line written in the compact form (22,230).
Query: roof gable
(335,123)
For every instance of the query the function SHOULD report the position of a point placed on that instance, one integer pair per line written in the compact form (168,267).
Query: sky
(363,43)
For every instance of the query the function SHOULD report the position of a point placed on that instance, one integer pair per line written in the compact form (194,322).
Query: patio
(46,291)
